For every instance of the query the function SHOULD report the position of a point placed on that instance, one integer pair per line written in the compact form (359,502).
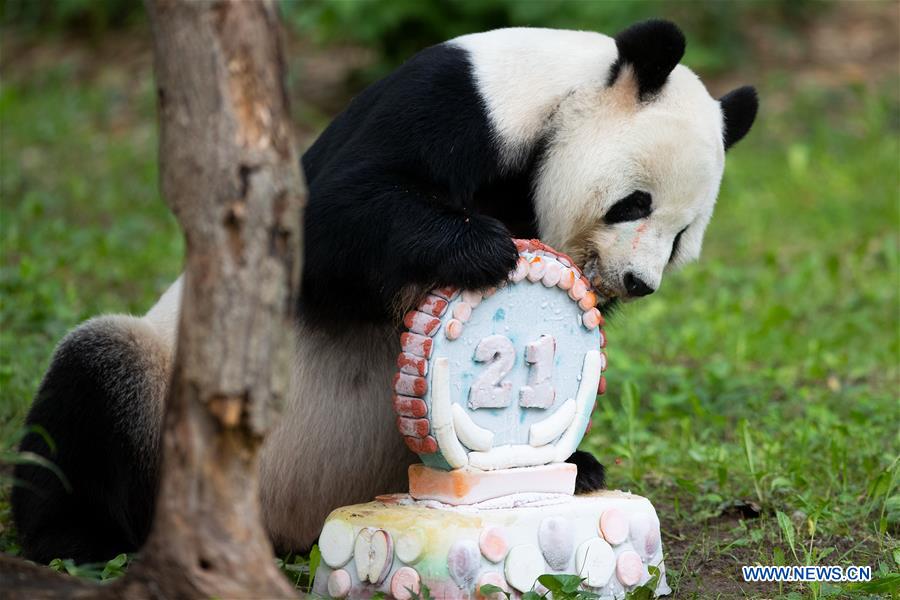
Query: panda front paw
(481,255)
(591,474)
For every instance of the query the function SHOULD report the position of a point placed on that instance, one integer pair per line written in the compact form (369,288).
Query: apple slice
(373,554)
(381,556)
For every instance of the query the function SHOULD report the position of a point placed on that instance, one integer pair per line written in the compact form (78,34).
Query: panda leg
(591,474)
(468,251)
(100,404)
(401,238)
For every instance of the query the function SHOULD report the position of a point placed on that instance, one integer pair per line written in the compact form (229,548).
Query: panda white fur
(605,148)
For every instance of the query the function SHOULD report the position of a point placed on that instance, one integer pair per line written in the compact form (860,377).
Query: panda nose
(636,287)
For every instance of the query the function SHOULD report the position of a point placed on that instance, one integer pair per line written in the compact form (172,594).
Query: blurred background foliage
(88,18)
(755,398)
(399,28)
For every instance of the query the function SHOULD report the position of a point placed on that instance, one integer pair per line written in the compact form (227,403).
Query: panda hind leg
(97,417)
(591,474)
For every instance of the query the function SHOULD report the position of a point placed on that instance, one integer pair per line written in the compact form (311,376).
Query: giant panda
(605,148)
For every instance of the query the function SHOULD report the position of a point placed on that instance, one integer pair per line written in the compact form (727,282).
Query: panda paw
(480,256)
(591,474)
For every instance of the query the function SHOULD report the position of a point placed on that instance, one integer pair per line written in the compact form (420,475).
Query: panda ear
(652,49)
(739,111)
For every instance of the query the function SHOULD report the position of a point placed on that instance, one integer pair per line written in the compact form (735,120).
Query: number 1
(539,392)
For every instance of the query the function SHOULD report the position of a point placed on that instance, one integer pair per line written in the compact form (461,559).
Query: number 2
(490,391)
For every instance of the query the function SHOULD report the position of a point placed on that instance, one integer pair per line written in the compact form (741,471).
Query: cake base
(396,544)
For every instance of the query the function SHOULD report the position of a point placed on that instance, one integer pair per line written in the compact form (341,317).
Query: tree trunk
(231,175)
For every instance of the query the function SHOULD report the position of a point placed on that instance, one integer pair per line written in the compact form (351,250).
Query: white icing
(544,432)
(471,435)
(442,416)
(513,455)
(520,499)
(453,451)
(584,401)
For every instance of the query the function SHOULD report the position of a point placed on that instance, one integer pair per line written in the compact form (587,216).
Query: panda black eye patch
(675,243)
(634,206)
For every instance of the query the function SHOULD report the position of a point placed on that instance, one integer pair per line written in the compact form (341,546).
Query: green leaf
(751,461)
(57,565)
(779,483)
(886,584)
(560,583)
(315,558)
(115,567)
(787,530)
(489,589)
(778,556)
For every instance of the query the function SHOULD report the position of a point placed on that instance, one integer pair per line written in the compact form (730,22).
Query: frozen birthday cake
(494,391)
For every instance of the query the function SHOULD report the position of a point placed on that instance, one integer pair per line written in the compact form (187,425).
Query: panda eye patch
(675,243)
(634,206)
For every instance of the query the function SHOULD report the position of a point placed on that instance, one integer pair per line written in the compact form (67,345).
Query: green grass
(83,229)
(767,373)
(762,380)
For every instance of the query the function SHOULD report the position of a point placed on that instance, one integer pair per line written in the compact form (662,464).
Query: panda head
(631,169)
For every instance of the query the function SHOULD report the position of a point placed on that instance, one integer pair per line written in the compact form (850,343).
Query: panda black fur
(421,181)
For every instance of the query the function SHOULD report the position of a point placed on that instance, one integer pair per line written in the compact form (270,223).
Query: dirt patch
(700,567)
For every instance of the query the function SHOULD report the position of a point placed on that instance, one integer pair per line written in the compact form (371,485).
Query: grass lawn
(754,398)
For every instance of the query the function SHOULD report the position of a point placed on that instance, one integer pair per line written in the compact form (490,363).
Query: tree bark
(231,175)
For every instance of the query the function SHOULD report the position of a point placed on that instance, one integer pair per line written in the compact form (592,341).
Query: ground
(754,398)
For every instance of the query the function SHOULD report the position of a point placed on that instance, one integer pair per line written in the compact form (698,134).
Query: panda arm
(381,239)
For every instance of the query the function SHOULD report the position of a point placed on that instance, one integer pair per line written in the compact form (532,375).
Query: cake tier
(397,544)
(469,486)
